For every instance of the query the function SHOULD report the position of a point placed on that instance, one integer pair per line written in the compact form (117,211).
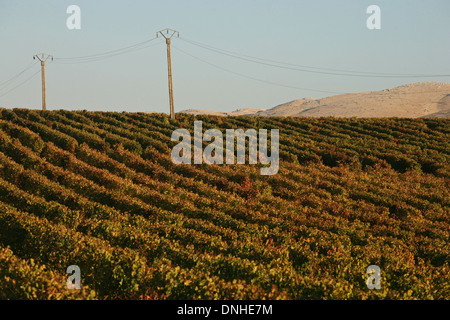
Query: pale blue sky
(414,38)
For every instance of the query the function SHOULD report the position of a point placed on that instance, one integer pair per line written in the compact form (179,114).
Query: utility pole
(169,33)
(43,57)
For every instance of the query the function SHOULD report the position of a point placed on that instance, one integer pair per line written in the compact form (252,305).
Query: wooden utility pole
(43,57)
(169,33)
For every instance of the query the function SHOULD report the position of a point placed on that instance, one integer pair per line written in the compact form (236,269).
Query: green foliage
(26,280)
(99,190)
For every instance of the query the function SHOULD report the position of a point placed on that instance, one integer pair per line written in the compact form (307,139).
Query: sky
(414,39)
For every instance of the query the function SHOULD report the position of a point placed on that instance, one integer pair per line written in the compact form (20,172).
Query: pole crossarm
(169,33)
(43,57)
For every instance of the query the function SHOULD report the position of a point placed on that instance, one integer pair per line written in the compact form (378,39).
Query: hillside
(99,190)
(427,99)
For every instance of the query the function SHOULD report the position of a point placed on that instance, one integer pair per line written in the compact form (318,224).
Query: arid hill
(426,99)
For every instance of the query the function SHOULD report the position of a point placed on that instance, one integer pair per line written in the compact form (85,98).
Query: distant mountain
(426,99)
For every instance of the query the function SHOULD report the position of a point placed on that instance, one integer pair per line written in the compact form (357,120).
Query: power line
(106,54)
(253,78)
(6,83)
(75,60)
(252,59)
(296,67)
(22,83)
(104,57)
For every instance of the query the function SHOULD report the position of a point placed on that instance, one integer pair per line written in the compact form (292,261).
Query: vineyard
(99,190)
